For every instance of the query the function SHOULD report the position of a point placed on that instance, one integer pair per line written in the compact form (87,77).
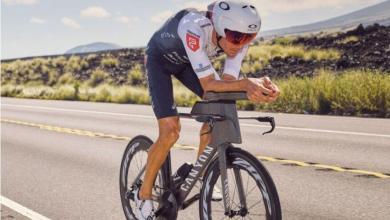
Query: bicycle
(221,160)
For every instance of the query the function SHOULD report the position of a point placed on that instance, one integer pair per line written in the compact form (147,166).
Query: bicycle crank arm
(190,201)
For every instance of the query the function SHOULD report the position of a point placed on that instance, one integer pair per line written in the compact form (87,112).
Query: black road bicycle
(248,191)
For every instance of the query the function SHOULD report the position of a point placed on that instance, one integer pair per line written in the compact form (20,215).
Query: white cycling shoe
(217,195)
(145,209)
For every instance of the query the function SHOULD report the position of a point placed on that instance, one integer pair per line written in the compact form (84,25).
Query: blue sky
(43,27)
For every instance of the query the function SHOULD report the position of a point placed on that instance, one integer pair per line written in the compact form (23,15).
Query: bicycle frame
(225,129)
(199,167)
(219,111)
(222,116)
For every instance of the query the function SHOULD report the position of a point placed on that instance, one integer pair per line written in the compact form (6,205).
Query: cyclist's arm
(230,76)
(229,83)
(194,36)
(233,64)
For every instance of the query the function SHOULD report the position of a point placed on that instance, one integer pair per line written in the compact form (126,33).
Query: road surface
(60,160)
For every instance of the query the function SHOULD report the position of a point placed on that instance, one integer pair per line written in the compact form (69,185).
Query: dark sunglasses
(238,38)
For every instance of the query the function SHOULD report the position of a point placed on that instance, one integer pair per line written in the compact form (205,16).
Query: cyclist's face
(230,49)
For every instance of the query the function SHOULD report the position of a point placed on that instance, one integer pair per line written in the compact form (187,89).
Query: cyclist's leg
(161,92)
(204,139)
(169,129)
(191,81)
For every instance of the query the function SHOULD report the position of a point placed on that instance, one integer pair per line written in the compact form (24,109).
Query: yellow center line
(335,168)
(380,175)
(188,147)
(299,163)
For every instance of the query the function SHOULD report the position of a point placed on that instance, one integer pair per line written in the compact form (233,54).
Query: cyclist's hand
(274,88)
(261,90)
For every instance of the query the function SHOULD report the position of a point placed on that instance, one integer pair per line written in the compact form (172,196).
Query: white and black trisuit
(183,47)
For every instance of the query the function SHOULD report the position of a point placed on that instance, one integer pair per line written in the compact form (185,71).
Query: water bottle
(181,174)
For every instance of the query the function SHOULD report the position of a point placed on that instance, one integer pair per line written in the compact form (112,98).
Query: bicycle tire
(244,161)
(136,145)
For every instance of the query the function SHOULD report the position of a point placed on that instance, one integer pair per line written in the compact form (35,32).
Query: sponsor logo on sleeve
(192,41)
(202,68)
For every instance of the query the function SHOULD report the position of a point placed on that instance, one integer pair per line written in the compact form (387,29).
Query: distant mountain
(379,13)
(94,47)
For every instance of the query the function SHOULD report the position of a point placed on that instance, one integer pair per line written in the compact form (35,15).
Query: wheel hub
(242,212)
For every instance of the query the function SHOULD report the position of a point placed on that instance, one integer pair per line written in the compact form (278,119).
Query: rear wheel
(132,173)
(246,177)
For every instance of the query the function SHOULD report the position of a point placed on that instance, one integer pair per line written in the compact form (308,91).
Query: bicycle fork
(222,151)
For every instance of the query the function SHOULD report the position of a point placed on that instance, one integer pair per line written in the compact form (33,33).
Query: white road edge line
(21,209)
(243,124)
(324,131)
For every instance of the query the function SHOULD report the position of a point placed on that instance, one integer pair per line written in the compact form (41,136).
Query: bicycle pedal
(129,195)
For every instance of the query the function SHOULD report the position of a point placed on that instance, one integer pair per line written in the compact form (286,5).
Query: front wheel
(132,173)
(252,193)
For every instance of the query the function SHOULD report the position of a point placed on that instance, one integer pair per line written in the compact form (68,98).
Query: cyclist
(183,47)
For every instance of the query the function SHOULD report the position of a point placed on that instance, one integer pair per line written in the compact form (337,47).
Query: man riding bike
(183,47)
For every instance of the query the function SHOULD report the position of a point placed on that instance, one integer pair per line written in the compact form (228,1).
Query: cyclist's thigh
(189,78)
(160,89)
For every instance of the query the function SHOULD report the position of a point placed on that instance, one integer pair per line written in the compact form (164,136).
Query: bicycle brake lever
(271,120)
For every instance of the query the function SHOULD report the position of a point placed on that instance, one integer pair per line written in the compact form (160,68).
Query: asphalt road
(60,174)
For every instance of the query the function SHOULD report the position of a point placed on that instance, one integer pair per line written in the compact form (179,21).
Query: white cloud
(126,20)
(95,12)
(161,17)
(70,23)
(37,20)
(20,2)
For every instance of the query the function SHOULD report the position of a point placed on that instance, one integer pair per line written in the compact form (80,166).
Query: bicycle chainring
(168,208)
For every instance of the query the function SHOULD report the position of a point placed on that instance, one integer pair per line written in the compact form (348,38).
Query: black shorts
(159,73)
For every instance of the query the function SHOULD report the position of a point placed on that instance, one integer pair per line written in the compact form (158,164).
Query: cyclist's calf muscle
(169,130)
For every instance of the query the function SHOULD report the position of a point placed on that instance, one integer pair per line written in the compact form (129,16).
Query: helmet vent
(224,6)
(245,6)
(252,7)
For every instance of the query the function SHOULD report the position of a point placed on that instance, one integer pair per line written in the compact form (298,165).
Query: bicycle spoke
(136,161)
(223,217)
(235,187)
(251,190)
(255,204)
(236,205)
(247,183)
(139,175)
(142,161)
(257,214)
(221,205)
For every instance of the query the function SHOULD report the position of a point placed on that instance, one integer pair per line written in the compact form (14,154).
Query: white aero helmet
(240,18)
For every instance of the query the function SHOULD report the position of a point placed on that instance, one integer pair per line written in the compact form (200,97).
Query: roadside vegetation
(355,92)
(118,79)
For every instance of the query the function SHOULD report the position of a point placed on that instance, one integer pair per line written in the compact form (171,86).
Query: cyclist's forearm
(223,85)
